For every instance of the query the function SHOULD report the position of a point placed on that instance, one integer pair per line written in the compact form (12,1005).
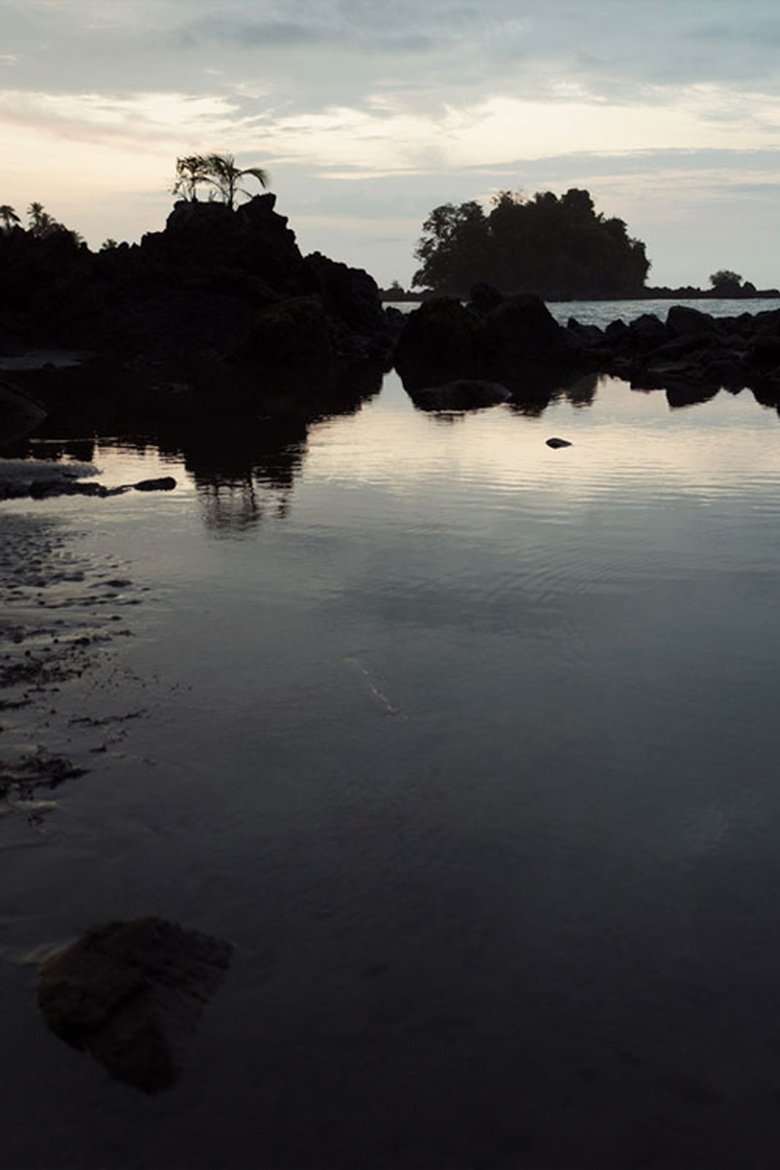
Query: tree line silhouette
(557,247)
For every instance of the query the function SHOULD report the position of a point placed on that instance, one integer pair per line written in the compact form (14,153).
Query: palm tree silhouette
(218,171)
(8,216)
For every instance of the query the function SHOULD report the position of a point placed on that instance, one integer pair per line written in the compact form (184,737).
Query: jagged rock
(441,342)
(193,293)
(517,342)
(522,328)
(646,332)
(617,331)
(350,296)
(681,320)
(131,993)
(586,337)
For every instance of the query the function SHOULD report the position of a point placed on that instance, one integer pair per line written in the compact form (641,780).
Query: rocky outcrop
(441,342)
(691,355)
(210,288)
(131,994)
(292,334)
(350,299)
(514,342)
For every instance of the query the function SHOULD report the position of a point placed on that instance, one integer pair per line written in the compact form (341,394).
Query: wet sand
(61,616)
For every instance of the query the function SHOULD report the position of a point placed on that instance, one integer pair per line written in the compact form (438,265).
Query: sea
(466,744)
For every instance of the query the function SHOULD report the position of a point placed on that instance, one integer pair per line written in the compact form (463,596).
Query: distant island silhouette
(559,248)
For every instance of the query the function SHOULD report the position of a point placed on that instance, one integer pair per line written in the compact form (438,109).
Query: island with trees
(558,247)
(221,305)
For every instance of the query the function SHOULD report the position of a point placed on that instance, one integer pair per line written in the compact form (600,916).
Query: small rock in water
(132,993)
(558,443)
(165,483)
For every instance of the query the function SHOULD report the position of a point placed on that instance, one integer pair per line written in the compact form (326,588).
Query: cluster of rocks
(493,349)
(221,311)
(218,290)
(455,356)
(689,355)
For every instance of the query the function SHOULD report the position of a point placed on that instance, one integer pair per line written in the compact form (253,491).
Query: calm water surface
(470,747)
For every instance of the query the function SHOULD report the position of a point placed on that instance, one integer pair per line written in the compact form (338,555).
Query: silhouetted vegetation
(555,247)
(8,217)
(218,173)
(726,283)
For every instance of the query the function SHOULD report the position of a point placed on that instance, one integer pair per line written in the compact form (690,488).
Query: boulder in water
(131,993)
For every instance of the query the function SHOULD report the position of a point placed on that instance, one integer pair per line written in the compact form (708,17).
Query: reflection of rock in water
(132,994)
(244,469)
(242,438)
(236,507)
(582,391)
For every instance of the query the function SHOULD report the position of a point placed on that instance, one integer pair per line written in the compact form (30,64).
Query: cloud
(248,34)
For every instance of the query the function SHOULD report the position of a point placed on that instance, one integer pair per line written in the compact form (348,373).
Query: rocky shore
(219,321)
(221,310)
(511,348)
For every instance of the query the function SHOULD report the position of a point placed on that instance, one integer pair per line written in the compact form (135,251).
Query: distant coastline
(687,293)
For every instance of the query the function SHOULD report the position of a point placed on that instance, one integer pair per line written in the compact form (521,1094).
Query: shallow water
(467,744)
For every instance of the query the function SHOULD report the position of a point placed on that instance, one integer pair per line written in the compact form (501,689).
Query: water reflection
(244,468)
(491,728)
(242,463)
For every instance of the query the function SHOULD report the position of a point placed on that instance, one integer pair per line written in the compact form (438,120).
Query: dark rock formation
(441,342)
(556,443)
(512,341)
(293,334)
(131,993)
(164,483)
(350,299)
(220,296)
(692,355)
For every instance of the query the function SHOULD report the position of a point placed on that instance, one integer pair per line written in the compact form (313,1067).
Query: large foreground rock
(514,342)
(189,293)
(131,993)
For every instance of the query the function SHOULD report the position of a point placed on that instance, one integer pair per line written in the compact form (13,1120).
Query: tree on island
(8,216)
(42,225)
(218,172)
(555,247)
(726,283)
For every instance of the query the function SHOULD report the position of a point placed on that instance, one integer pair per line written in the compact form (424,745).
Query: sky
(367,114)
